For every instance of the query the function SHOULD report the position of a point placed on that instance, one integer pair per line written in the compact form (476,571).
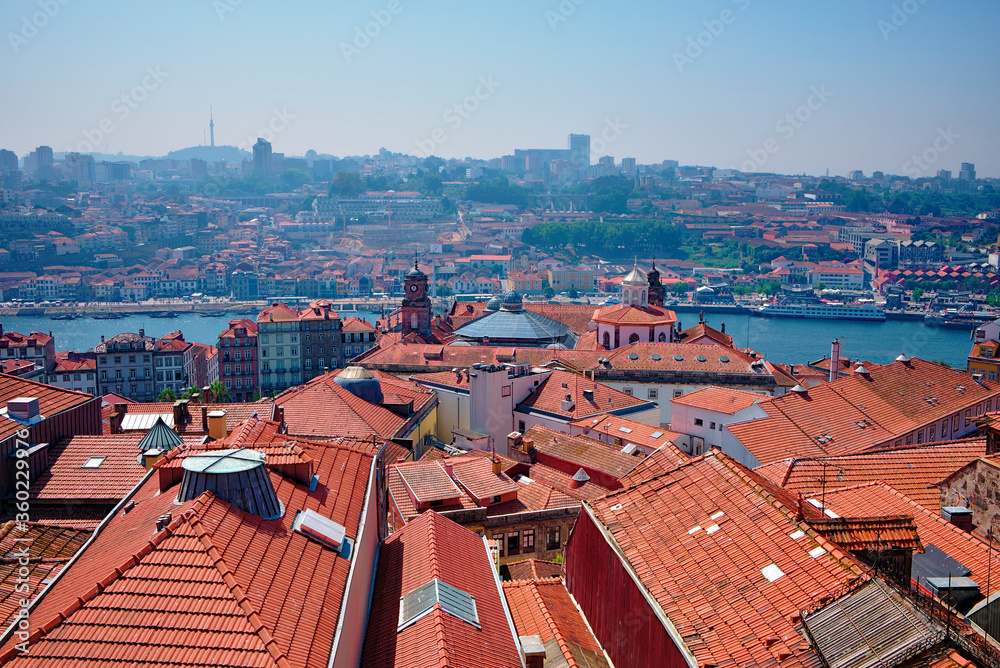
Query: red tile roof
(476,476)
(549,394)
(51,400)
(119,472)
(607,427)
(433,547)
(711,524)
(880,499)
(427,481)
(719,399)
(322,408)
(225,587)
(355,324)
(533,569)
(48,547)
(277,313)
(620,314)
(858,413)
(913,470)
(571,453)
(544,608)
(701,331)
(399,494)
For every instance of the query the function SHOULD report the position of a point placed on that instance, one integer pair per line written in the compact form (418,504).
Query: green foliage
(346,184)
(292,179)
(573,294)
(609,239)
(444,290)
(167,395)
(499,191)
(679,288)
(217,392)
(448,207)
(549,292)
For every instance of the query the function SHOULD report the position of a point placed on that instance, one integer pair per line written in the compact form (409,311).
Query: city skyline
(892,87)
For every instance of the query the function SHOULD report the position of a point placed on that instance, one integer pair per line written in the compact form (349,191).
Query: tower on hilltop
(211,127)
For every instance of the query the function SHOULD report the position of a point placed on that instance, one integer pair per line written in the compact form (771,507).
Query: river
(789,341)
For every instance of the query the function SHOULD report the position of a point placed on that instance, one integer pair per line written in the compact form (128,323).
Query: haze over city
(778,86)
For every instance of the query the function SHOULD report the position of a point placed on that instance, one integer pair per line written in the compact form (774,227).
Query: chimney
(834,360)
(279,415)
(959,516)
(178,414)
(142,332)
(204,417)
(534,651)
(217,425)
(497,465)
(448,467)
(150,457)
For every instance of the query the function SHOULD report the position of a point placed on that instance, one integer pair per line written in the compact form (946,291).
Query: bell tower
(416,306)
(657,293)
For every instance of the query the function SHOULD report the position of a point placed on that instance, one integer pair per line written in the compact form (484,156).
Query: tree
(346,184)
(292,179)
(167,396)
(679,288)
(217,392)
(549,292)
(444,290)
(573,294)
(192,392)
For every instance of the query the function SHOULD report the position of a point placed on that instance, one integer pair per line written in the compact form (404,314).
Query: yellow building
(983,359)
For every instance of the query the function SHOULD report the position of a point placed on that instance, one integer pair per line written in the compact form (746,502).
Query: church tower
(635,288)
(657,293)
(416,306)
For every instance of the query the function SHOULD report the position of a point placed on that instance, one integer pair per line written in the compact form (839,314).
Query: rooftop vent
(361,383)
(580,478)
(678,358)
(23,409)
(421,601)
(588,394)
(861,370)
(903,358)
(798,389)
(723,359)
(160,437)
(237,476)
(325,531)
(656,357)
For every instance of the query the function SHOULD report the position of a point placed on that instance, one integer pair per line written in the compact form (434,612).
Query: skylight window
(795,535)
(817,552)
(421,601)
(94,462)
(656,434)
(625,430)
(772,572)
(715,516)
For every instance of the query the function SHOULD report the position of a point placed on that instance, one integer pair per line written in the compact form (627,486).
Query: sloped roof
(622,314)
(880,499)
(615,426)
(857,413)
(710,523)
(430,547)
(476,475)
(544,608)
(913,470)
(549,394)
(582,452)
(118,470)
(521,325)
(51,400)
(534,569)
(240,591)
(719,399)
(49,549)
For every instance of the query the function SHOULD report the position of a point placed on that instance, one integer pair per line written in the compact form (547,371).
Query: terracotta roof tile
(533,569)
(544,608)
(711,524)
(432,547)
(225,587)
(428,482)
(51,400)
(719,399)
(913,470)
(476,475)
(571,453)
(607,427)
(858,413)
(549,395)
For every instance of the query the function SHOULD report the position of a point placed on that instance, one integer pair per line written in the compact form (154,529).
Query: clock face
(413,288)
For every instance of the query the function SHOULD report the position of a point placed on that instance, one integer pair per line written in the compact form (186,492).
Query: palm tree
(218,392)
(191,392)
(167,395)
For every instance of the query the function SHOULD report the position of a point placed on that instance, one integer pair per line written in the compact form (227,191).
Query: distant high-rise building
(8,161)
(79,168)
(606,160)
(262,159)
(856,175)
(968,172)
(199,169)
(944,174)
(628,166)
(579,150)
(39,163)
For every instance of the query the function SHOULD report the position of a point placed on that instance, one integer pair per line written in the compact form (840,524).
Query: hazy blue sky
(893,78)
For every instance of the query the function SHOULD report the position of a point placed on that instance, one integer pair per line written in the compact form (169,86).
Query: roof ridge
(563,646)
(242,600)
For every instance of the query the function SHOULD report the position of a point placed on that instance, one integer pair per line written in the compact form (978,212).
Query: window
(93,462)
(104,376)
(920,436)
(131,373)
(281,351)
(145,358)
(131,359)
(513,543)
(698,422)
(651,394)
(663,337)
(520,426)
(497,498)
(607,340)
(993,375)
(280,338)
(65,377)
(236,356)
(711,425)
(968,414)
(118,359)
(552,538)
(501,544)
(678,393)
(159,375)
(909,439)
(309,350)
(308,337)
(930,434)
(628,391)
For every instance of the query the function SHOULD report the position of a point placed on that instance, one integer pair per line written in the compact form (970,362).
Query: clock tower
(416,306)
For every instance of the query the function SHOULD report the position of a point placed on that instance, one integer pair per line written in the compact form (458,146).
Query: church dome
(415,272)
(512,301)
(361,383)
(494,304)
(635,278)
